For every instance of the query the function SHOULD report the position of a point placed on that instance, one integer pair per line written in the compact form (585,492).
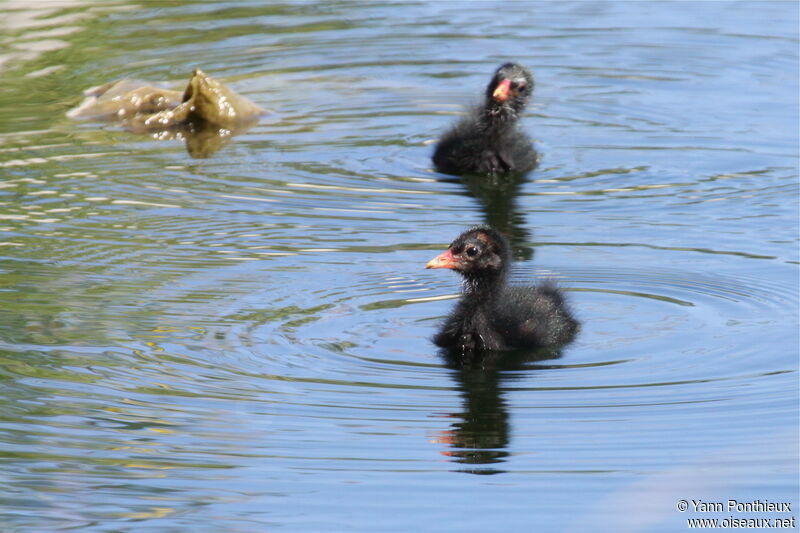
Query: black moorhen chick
(487,141)
(491,315)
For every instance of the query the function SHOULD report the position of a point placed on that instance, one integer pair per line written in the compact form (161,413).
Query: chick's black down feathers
(488,140)
(492,315)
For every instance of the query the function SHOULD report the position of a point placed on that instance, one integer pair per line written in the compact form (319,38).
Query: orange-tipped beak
(500,94)
(443,260)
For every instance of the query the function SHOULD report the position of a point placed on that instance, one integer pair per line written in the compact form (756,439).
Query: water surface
(241,343)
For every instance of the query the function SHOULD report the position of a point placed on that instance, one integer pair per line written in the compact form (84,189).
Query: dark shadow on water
(479,439)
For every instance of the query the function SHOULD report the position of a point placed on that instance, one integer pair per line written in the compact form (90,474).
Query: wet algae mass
(205,113)
(243,342)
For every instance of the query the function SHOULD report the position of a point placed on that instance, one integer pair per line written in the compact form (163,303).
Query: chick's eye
(472,251)
(520,87)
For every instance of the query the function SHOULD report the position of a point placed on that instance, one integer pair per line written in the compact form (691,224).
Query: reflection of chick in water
(498,198)
(481,436)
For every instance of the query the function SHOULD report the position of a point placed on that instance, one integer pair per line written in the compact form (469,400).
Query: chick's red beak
(502,91)
(443,260)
